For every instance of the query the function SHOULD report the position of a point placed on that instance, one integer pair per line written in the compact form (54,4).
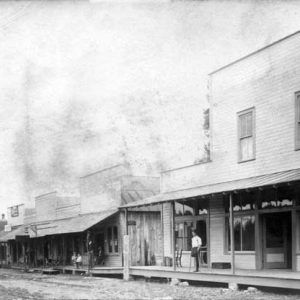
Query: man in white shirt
(78,261)
(196,244)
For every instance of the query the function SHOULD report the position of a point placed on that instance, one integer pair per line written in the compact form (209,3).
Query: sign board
(7,227)
(14,211)
(131,223)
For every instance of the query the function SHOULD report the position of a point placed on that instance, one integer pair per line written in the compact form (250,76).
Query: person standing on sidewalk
(196,244)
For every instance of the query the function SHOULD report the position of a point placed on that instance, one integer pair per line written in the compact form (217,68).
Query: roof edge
(252,53)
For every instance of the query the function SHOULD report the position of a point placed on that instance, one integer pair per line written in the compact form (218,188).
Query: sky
(86,85)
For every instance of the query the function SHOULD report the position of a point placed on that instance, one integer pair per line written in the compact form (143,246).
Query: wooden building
(60,225)
(246,197)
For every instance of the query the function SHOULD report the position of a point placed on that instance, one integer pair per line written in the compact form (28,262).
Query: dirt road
(18,285)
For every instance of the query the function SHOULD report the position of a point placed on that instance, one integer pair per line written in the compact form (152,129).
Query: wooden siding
(146,240)
(45,206)
(267,81)
(95,183)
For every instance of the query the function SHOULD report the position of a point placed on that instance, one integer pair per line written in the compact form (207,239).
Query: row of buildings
(59,225)
(244,201)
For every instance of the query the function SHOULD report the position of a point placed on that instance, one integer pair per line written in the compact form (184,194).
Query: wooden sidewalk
(93,271)
(266,278)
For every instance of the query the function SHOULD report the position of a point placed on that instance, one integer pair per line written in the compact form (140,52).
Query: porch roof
(70,225)
(235,185)
(11,235)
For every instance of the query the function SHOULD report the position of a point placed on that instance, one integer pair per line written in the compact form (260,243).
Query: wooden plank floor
(268,278)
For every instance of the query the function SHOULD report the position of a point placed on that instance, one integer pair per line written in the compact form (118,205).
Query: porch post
(35,249)
(43,245)
(162,230)
(17,252)
(63,250)
(126,221)
(173,235)
(23,253)
(294,240)
(208,233)
(231,234)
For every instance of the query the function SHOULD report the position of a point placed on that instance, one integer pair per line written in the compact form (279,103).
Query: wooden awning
(221,187)
(15,232)
(69,225)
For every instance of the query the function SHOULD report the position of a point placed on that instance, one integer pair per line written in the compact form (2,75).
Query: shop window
(178,209)
(201,207)
(282,196)
(297,195)
(242,201)
(184,208)
(285,196)
(244,235)
(268,198)
(112,239)
(183,235)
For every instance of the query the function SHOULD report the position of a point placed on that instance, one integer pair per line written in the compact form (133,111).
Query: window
(277,197)
(242,201)
(243,232)
(246,135)
(297,118)
(183,235)
(195,207)
(112,239)
(186,209)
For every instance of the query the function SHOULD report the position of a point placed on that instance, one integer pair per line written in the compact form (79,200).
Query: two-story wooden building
(247,196)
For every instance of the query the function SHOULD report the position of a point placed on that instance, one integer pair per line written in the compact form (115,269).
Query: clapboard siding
(68,211)
(266,81)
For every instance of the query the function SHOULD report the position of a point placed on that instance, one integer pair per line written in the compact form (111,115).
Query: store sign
(14,211)
(131,223)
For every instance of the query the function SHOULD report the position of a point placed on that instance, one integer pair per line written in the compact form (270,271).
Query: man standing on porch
(196,244)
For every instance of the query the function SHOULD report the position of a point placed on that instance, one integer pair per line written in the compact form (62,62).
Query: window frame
(297,120)
(240,215)
(253,135)
(112,239)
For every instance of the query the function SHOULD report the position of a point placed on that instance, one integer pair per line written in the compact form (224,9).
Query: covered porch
(258,217)
(52,243)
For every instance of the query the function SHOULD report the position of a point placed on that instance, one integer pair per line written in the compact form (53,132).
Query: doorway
(277,250)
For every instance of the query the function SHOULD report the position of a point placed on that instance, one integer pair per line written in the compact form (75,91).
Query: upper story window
(297,129)
(246,135)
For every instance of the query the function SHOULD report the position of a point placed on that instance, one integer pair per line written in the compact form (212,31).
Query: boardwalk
(266,278)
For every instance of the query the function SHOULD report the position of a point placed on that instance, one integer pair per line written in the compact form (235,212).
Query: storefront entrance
(277,250)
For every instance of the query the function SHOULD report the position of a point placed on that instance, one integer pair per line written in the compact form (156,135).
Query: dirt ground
(19,285)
